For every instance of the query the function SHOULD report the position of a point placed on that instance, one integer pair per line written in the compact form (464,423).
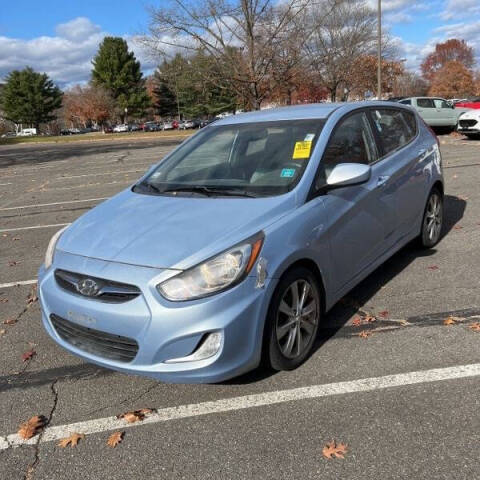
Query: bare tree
(243,37)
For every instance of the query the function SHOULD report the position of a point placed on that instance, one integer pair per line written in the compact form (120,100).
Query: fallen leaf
(2,332)
(72,440)
(457,227)
(357,321)
(31,427)
(32,296)
(433,267)
(115,438)
(334,449)
(455,176)
(364,334)
(28,355)
(135,415)
(13,263)
(475,327)
(449,321)
(4,300)
(15,239)
(384,314)
(369,319)
(10,321)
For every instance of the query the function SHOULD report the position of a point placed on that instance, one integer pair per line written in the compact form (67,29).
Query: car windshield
(250,159)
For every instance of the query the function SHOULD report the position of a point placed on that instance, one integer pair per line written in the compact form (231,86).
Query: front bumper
(163,330)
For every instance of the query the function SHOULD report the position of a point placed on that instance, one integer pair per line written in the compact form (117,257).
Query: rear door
(361,218)
(427,110)
(404,160)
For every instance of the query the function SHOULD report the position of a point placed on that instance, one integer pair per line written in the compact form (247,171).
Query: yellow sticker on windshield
(302,150)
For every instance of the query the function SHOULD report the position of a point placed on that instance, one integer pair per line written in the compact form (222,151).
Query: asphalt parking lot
(402,390)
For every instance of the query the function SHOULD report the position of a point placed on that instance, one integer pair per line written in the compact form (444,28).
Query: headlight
(51,248)
(215,275)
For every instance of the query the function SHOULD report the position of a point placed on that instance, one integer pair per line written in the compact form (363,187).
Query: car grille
(467,123)
(96,342)
(108,291)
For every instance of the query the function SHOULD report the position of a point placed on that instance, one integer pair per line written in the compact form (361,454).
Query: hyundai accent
(229,252)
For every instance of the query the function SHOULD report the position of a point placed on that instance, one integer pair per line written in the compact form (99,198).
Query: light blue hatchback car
(230,250)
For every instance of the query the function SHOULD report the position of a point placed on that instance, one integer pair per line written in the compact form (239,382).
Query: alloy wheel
(297,317)
(433,218)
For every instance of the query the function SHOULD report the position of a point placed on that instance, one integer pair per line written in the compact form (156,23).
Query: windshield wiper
(210,191)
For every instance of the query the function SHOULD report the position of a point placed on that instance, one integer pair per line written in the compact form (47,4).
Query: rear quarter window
(395,128)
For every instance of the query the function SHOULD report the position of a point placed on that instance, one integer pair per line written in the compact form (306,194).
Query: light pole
(126,112)
(379,46)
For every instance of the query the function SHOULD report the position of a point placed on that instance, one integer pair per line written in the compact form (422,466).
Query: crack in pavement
(31,468)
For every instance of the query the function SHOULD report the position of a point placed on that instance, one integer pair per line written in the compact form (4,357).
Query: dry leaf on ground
(10,321)
(32,296)
(450,321)
(135,415)
(2,332)
(384,314)
(364,334)
(28,355)
(13,263)
(4,300)
(115,438)
(357,321)
(334,449)
(475,327)
(369,319)
(72,440)
(31,427)
(433,267)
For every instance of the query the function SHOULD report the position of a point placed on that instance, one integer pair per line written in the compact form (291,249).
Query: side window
(411,123)
(425,103)
(439,103)
(406,102)
(351,142)
(392,128)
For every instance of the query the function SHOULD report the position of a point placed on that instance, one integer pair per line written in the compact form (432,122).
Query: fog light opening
(207,348)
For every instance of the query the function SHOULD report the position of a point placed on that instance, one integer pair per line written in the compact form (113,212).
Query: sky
(60,37)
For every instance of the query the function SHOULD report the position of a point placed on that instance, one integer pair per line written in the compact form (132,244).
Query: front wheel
(293,319)
(432,220)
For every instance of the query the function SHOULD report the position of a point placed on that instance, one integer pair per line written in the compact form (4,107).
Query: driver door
(361,218)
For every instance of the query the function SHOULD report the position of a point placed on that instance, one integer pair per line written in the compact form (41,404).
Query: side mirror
(347,174)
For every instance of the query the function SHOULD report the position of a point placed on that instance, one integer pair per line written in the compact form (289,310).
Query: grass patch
(95,137)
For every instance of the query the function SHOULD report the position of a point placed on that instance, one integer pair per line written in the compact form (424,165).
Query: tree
(453,80)
(241,37)
(29,98)
(86,105)
(451,50)
(339,39)
(116,69)
(410,84)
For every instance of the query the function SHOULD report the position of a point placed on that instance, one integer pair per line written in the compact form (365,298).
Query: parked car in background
(436,112)
(232,248)
(27,132)
(168,126)
(9,135)
(151,127)
(469,103)
(120,128)
(133,127)
(107,129)
(469,123)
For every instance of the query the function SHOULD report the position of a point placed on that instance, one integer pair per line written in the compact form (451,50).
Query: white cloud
(66,57)
(455,9)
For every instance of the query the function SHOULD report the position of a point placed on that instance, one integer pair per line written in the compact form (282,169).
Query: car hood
(470,115)
(169,231)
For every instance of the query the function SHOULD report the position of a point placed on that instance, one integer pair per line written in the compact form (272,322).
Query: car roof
(297,112)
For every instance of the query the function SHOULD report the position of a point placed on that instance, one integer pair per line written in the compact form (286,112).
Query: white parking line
(55,203)
(36,227)
(16,284)
(249,401)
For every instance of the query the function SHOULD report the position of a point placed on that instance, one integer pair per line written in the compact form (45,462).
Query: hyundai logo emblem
(88,287)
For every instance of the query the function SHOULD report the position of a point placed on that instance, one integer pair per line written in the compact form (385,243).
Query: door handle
(382,181)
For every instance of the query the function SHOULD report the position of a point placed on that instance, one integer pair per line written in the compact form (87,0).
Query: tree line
(216,56)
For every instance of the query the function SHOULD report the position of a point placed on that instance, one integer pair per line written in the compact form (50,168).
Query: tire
(432,221)
(289,338)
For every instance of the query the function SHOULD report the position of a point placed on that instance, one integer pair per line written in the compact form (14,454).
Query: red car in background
(470,103)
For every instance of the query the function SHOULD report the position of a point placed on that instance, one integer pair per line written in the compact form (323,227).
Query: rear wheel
(432,220)
(293,319)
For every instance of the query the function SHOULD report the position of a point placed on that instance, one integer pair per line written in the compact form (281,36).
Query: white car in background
(120,128)
(469,124)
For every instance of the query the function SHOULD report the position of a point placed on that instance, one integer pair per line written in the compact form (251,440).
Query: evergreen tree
(118,71)
(29,97)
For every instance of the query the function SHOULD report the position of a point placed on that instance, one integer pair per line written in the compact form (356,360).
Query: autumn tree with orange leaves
(453,80)
(451,50)
(86,105)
